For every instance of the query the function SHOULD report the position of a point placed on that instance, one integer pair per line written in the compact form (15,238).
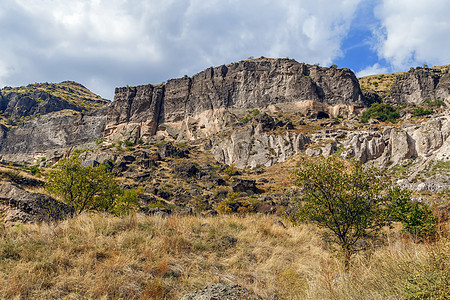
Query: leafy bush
(233,205)
(231,170)
(89,188)
(429,279)
(416,218)
(34,170)
(128,143)
(380,111)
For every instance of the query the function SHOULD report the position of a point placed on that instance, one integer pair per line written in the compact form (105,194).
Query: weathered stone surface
(169,150)
(57,132)
(19,205)
(134,113)
(223,292)
(186,169)
(252,146)
(16,105)
(419,84)
(192,102)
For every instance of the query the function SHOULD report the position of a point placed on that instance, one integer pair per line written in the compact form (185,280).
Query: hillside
(252,115)
(26,102)
(211,158)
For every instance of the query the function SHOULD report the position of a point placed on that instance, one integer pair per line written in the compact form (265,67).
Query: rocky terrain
(188,142)
(202,151)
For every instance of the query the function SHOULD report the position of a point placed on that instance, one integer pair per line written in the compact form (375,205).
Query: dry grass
(383,82)
(141,257)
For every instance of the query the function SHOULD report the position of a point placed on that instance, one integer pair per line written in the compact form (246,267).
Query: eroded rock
(19,205)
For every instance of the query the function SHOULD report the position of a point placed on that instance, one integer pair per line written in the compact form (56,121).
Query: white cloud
(372,70)
(119,42)
(414,32)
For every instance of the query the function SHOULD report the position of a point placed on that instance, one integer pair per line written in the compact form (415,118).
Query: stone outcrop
(18,205)
(52,135)
(16,105)
(417,147)
(223,292)
(251,146)
(202,103)
(419,84)
(428,140)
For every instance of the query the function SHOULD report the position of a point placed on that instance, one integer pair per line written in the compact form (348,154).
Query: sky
(104,44)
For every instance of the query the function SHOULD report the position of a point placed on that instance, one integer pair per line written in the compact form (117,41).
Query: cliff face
(51,135)
(137,112)
(17,105)
(419,84)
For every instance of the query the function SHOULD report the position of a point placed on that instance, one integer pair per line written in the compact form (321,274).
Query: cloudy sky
(104,44)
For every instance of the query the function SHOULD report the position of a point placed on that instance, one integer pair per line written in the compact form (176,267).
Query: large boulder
(18,205)
(169,150)
(244,185)
(186,169)
(223,292)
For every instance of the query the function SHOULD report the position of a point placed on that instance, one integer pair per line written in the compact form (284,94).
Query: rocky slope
(42,98)
(252,115)
(48,120)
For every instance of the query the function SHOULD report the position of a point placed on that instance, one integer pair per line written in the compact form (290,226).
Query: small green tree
(417,218)
(88,187)
(344,198)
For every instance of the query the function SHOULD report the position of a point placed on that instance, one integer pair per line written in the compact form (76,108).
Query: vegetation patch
(382,112)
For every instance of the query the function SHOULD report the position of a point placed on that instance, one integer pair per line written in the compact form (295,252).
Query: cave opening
(322,115)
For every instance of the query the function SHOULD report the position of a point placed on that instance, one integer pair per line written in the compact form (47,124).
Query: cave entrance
(322,115)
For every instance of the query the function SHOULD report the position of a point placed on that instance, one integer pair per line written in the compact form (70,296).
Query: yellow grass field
(96,256)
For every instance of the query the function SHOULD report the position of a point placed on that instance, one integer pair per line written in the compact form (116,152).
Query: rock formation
(51,135)
(418,84)
(194,107)
(17,105)
(18,205)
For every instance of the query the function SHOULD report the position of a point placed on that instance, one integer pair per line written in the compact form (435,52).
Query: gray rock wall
(54,133)
(419,84)
(137,112)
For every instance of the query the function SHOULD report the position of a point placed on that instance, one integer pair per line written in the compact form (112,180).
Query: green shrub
(380,111)
(128,143)
(417,218)
(246,119)
(429,279)
(89,188)
(420,111)
(436,102)
(34,170)
(231,170)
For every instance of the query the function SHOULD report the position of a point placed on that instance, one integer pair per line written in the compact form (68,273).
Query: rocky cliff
(418,84)
(251,113)
(194,107)
(51,136)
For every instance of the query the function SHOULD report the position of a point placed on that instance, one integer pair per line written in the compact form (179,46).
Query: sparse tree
(344,198)
(89,188)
